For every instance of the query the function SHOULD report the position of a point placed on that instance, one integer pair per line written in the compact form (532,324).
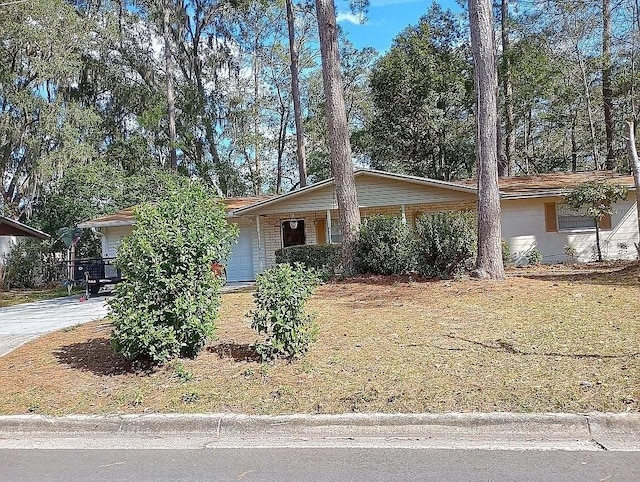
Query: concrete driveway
(21,323)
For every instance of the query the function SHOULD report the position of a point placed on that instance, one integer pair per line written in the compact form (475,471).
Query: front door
(293,233)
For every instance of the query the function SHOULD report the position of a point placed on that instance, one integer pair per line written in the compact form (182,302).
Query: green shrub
(385,245)
(446,242)
(31,264)
(324,258)
(534,256)
(168,302)
(279,311)
(506,252)
(571,251)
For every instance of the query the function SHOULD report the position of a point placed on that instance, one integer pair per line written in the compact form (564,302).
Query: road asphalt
(321,465)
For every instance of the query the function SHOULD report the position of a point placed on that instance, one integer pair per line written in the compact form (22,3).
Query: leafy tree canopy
(423,98)
(595,198)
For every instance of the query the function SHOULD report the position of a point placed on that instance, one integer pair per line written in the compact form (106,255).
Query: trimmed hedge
(385,245)
(324,258)
(446,243)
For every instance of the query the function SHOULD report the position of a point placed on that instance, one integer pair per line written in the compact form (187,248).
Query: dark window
(569,218)
(293,233)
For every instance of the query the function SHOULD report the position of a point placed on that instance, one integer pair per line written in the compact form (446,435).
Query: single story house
(533,216)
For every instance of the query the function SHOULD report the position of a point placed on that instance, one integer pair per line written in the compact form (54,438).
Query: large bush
(385,245)
(168,302)
(446,242)
(31,264)
(324,258)
(279,311)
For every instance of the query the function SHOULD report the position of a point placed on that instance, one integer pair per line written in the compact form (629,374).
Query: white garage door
(240,264)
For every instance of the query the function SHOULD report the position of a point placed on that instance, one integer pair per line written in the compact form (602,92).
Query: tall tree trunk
(171,98)
(634,162)
(509,118)
(574,144)
(607,92)
(592,128)
(338,131)
(256,123)
(295,93)
(503,169)
(489,262)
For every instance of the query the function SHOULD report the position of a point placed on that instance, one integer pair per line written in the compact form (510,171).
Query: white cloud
(349,17)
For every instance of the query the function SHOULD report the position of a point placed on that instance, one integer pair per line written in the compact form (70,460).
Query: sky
(385,20)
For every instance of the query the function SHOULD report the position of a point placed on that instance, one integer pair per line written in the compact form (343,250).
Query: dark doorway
(293,233)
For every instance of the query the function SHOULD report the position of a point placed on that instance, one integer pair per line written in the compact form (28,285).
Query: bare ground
(552,339)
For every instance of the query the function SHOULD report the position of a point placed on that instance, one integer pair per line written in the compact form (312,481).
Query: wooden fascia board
(19,229)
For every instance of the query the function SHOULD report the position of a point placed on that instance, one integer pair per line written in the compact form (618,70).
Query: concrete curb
(496,424)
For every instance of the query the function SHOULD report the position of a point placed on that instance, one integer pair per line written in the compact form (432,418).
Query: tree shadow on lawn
(97,356)
(509,347)
(239,352)
(627,276)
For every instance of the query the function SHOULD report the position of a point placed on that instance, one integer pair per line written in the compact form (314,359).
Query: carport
(11,227)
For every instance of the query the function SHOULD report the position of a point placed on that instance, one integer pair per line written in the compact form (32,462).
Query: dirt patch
(551,340)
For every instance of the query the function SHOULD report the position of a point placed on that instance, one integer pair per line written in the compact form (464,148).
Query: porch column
(404,214)
(260,257)
(328,226)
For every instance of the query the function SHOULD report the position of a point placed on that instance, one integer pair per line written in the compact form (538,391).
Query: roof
(358,173)
(514,187)
(11,227)
(553,184)
(126,217)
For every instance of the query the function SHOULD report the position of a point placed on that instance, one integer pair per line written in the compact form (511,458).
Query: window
(293,233)
(560,217)
(336,232)
(569,218)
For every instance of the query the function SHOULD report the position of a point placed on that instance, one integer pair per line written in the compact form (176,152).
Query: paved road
(21,323)
(371,447)
(297,465)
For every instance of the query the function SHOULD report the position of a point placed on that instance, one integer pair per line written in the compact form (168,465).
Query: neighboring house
(10,231)
(533,216)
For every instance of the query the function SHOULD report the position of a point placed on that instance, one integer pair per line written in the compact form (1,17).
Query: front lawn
(550,342)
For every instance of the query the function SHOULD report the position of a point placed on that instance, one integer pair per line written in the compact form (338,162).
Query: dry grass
(16,297)
(538,342)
